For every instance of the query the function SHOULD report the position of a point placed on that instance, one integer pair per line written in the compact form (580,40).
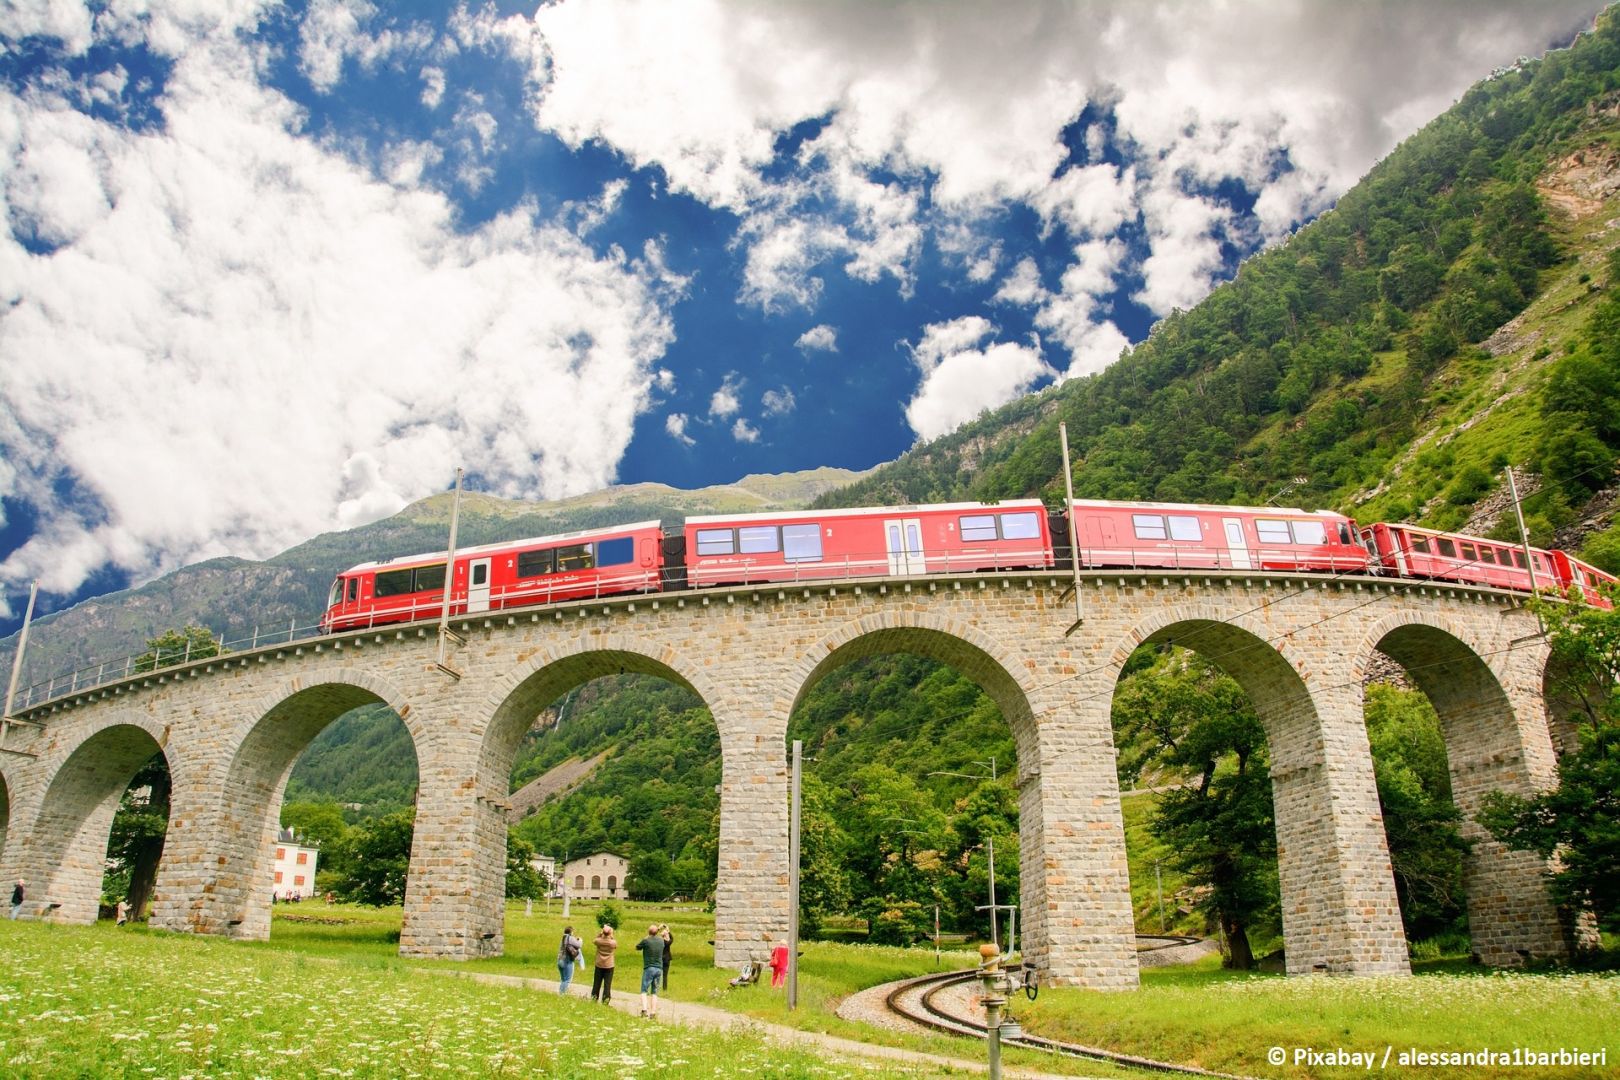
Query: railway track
(918,1000)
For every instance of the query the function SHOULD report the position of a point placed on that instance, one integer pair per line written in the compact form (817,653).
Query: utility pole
(1074,536)
(17,661)
(449,579)
(793,878)
(1158,880)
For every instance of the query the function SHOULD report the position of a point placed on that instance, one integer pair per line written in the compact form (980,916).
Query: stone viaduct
(231,728)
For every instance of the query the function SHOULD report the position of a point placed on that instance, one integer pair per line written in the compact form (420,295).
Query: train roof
(406,561)
(1114,504)
(870,511)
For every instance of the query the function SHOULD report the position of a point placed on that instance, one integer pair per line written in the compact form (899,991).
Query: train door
(478,585)
(1237,548)
(903,539)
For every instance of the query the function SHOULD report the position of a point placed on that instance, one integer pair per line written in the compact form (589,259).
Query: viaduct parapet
(231,728)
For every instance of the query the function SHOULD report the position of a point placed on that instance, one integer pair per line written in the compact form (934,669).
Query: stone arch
(994,670)
(947,641)
(512,705)
(64,850)
(518,697)
(275,729)
(1340,914)
(1570,698)
(5,812)
(1491,745)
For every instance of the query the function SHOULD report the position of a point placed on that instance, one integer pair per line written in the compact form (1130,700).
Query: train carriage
(538,570)
(1572,573)
(1410,551)
(1195,536)
(871,542)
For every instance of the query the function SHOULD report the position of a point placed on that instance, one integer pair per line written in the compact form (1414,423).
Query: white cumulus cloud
(962,377)
(821,338)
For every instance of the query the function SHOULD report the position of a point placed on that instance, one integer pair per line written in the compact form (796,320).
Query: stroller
(749,975)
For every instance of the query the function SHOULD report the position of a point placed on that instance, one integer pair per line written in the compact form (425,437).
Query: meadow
(327,995)
(100,1002)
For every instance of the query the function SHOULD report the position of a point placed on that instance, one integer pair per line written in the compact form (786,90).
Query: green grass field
(327,995)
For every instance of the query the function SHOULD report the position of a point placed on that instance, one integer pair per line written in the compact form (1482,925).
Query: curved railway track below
(925,1001)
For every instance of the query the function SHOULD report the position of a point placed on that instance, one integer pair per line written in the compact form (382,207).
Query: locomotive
(946,538)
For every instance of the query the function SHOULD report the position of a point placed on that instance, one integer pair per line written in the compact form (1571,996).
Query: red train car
(1573,573)
(872,542)
(569,566)
(1409,551)
(1200,537)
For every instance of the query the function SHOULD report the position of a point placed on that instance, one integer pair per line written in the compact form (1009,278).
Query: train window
(801,543)
(1469,552)
(1518,558)
(1445,547)
(534,563)
(480,572)
(1020,527)
(753,539)
(429,577)
(979,527)
(354,589)
(335,597)
(392,583)
(1420,544)
(1310,532)
(1185,528)
(715,542)
(1148,526)
(1273,532)
(1487,554)
(574,557)
(616,552)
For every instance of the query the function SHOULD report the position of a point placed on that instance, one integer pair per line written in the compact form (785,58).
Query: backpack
(571,949)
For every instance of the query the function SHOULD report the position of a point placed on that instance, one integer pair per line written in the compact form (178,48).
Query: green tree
(135,846)
(378,854)
(824,885)
(1426,850)
(178,647)
(1184,717)
(651,876)
(1579,820)
(523,881)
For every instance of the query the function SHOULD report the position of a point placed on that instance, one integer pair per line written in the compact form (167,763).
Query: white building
(596,877)
(546,867)
(295,867)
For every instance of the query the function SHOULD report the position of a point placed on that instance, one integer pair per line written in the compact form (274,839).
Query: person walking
(17,895)
(602,975)
(567,954)
(123,912)
(651,948)
(669,944)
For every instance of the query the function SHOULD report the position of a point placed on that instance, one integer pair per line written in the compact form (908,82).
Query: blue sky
(273,269)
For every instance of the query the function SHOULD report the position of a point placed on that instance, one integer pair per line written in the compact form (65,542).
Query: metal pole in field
(1074,536)
(793,878)
(1158,879)
(449,567)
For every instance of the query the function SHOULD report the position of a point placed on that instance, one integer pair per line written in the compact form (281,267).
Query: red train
(896,541)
